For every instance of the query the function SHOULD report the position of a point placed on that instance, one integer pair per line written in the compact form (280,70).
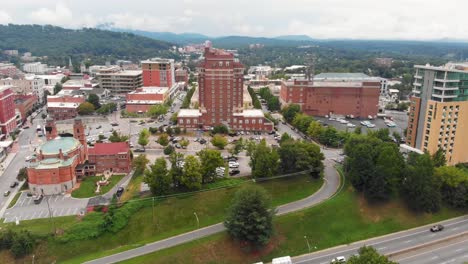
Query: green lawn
(342,220)
(88,186)
(172,216)
(15,199)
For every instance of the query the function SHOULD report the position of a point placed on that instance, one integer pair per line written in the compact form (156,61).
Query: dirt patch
(376,212)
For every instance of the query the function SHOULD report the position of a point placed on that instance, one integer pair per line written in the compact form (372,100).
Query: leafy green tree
(220,129)
(57,88)
(358,130)
(176,171)
(264,161)
(300,156)
(210,160)
(361,166)
(184,142)
(168,150)
(302,122)
(397,137)
(22,174)
(117,137)
(367,255)
(219,141)
(85,108)
(255,101)
(438,158)
(188,97)
(158,178)
(454,189)
(23,243)
(382,134)
(421,189)
(107,108)
(163,139)
(238,146)
(289,112)
(250,216)
(314,130)
(192,176)
(177,130)
(285,137)
(94,99)
(143,137)
(139,163)
(157,110)
(273,104)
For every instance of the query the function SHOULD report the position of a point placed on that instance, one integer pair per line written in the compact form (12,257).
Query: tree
(163,139)
(264,161)
(438,158)
(421,189)
(85,108)
(250,216)
(177,130)
(46,93)
(314,130)
(22,244)
(157,110)
(210,160)
(302,122)
(158,178)
(367,255)
(117,137)
(94,99)
(238,146)
(22,174)
(57,88)
(454,189)
(177,170)
(192,177)
(397,137)
(361,166)
(285,137)
(139,163)
(289,112)
(107,108)
(219,141)
(220,129)
(143,137)
(273,104)
(300,156)
(358,130)
(168,150)
(184,142)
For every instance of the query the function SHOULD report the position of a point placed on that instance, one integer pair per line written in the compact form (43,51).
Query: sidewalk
(5,163)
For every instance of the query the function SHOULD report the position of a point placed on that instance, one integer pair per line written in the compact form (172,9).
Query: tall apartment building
(438,117)
(7,110)
(118,81)
(345,94)
(158,72)
(220,80)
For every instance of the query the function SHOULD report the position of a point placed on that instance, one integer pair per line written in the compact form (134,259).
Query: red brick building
(25,104)
(220,80)
(181,75)
(114,157)
(356,97)
(140,100)
(61,107)
(158,72)
(61,160)
(7,110)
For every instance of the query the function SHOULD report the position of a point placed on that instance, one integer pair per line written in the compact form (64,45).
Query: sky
(323,19)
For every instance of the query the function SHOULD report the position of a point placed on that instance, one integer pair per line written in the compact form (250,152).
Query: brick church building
(60,161)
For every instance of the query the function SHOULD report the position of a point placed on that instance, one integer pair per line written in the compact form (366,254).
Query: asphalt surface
(453,252)
(329,188)
(400,241)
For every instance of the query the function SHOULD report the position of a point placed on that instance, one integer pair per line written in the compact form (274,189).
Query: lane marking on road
(381,248)
(460,249)
(75,211)
(34,215)
(408,241)
(455,228)
(56,197)
(432,251)
(68,211)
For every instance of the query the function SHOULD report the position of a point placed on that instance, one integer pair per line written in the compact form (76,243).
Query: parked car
(339,259)
(98,127)
(350,125)
(29,194)
(202,141)
(14,184)
(437,228)
(28,158)
(119,191)
(6,193)
(114,124)
(139,150)
(233,164)
(234,172)
(38,199)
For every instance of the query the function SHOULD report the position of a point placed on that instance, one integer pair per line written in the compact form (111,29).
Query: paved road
(391,243)
(452,252)
(331,185)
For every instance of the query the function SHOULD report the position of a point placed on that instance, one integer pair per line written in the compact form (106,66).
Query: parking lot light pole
(198,222)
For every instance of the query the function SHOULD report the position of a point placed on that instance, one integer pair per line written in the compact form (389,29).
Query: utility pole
(50,216)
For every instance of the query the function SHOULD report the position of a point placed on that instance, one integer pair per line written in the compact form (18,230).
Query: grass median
(15,199)
(169,217)
(344,219)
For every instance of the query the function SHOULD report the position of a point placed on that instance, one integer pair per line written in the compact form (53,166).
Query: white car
(233,164)
(342,121)
(339,259)
(350,125)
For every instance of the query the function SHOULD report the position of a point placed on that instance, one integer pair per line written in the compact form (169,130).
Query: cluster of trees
(18,243)
(143,137)
(291,156)
(368,254)
(157,110)
(255,102)
(93,104)
(401,106)
(378,170)
(188,97)
(273,102)
(117,137)
(185,173)
(107,108)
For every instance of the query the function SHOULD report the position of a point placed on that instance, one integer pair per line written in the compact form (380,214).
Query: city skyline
(361,19)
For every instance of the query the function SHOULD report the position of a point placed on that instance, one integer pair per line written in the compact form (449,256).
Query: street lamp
(198,222)
(307,240)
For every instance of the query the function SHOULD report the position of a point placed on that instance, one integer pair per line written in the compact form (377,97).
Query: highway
(398,242)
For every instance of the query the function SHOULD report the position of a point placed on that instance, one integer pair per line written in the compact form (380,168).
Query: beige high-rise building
(438,117)
(118,81)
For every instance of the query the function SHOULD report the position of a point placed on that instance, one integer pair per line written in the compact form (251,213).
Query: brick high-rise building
(7,110)
(438,117)
(220,80)
(158,72)
(334,94)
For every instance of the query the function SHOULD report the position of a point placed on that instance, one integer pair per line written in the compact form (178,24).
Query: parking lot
(60,205)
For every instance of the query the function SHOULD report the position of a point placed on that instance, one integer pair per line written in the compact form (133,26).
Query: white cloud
(5,18)
(59,15)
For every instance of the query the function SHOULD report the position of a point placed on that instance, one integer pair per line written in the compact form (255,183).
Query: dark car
(139,150)
(114,124)
(14,184)
(437,228)
(6,193)
(202,141)
(119,191)
(98,127)
(29,194)
(232,158)
(38,199)
(234,172)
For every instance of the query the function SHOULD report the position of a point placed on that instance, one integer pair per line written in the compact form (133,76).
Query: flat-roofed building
(64,106)
(7,110)
(140,100)
(118,81)
(158,72)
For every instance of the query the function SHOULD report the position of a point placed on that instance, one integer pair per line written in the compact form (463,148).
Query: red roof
(109,148)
